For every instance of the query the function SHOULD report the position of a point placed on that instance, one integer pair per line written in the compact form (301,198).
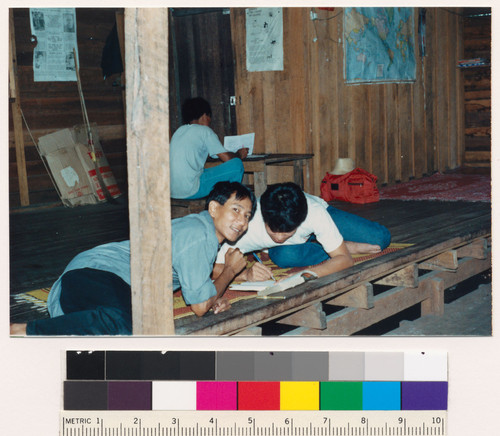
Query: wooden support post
(311,317)
(146,48)
(361,296)
(120,29)
(298,176)
(259,182)
(434,305)
(406,277)
(17,120)
(446,261)
(476,249)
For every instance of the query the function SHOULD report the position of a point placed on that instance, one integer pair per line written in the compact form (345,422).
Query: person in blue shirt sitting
(93,295)
(191,145)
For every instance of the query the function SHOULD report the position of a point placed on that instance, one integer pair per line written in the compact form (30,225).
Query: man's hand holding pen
(259,271)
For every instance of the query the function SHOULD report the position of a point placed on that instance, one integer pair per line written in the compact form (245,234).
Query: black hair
(284,207)
(222,191)
(194,108)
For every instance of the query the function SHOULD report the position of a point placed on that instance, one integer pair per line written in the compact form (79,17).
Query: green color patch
(341,395)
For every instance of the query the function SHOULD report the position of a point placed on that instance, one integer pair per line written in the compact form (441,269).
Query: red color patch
(258,395)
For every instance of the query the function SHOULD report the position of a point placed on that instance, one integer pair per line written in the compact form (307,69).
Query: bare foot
(18,329)
(362,248)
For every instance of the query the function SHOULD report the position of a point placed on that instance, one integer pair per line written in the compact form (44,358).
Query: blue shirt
(190,147)
(194,249)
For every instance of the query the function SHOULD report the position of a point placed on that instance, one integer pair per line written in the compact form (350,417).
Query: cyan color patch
(381,395)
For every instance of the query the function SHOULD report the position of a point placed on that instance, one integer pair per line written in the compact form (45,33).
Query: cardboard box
(68,157)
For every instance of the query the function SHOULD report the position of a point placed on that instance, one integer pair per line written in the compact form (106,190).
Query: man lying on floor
(93,295)
(302,230)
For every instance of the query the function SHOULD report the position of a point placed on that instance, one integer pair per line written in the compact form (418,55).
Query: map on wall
(379,45)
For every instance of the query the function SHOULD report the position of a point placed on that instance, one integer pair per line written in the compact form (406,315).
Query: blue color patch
(381,395)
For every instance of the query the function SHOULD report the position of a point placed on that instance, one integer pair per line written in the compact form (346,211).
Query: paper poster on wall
(379,45)
(55,32)
(264,44)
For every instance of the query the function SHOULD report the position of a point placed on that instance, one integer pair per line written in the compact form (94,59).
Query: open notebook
(268,287)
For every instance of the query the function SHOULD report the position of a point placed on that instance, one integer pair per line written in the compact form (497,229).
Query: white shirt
(318,222)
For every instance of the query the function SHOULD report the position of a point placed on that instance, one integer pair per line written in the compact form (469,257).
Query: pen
(260,261)
(271,297)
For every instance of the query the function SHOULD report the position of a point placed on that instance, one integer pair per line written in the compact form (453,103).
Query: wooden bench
(181,207)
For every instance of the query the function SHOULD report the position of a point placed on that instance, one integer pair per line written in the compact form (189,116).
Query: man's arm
(258,272)
(241,153)
(235,262)
(340,259)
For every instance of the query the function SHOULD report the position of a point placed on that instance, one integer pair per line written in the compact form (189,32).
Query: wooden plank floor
(43,241)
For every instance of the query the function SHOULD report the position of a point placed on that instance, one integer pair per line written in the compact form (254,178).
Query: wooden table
(258,164)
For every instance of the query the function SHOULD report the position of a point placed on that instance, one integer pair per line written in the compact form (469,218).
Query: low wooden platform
(451,242)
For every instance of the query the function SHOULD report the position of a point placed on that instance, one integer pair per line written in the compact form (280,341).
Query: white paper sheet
(234,143)
(55,32)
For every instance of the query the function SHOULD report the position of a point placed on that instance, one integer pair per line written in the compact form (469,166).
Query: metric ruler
(253,423)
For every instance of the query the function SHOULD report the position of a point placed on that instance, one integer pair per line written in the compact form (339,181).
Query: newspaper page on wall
(264,28)
(55,32)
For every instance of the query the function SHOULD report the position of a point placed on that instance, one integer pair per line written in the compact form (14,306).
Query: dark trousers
(94,302)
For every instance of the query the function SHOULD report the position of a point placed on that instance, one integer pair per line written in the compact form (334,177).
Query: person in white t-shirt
(191,145)
(302,230)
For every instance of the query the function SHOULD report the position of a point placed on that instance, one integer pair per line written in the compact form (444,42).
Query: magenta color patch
(216,395)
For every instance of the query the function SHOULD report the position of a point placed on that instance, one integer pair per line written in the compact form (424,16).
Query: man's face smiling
(231,219)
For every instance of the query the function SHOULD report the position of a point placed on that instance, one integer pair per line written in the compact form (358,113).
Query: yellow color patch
(299,396)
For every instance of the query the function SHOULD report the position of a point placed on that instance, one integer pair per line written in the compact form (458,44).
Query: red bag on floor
(357,186)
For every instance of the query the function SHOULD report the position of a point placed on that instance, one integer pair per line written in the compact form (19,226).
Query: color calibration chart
(243,393)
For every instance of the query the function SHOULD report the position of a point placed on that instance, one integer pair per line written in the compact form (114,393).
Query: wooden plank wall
(477,81)
(396,131)
(201,65)
(50,106)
